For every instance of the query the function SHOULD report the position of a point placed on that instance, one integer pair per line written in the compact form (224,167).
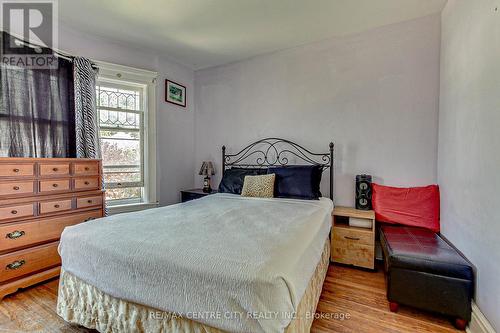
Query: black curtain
(37,111)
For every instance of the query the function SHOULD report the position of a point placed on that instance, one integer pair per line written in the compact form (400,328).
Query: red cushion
(413,206)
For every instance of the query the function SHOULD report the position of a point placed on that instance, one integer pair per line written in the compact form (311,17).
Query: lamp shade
(207,169)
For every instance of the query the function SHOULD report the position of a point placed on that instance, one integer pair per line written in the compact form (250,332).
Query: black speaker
(364,192)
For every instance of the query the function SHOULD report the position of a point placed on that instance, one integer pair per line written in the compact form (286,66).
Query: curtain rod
(57,53)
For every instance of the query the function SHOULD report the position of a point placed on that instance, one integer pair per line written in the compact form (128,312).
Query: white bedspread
(219,257)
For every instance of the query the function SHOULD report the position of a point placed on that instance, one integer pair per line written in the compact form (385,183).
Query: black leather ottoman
(425,272)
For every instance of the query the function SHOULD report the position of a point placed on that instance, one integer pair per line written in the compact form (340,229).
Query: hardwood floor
(347,291)
(361,294)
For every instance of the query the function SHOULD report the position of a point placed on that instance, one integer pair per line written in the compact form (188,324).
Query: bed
(223,263)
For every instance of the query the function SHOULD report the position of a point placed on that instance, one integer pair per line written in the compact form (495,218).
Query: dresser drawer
(87,183)
(16,235)
(88,201)
(55,206)
(16,188)
(355,236)
(17,170)
(85,168)
(19,263)
(54,185)
(54,169)
(16,212)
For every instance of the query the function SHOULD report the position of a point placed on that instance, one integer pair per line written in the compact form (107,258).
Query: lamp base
(206,185)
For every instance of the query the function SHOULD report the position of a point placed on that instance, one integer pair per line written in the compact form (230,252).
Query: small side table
(196,193)
(353,237)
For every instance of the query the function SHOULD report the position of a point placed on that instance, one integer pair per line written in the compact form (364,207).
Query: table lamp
(207,170)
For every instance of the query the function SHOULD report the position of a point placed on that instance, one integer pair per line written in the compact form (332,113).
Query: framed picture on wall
(175,93)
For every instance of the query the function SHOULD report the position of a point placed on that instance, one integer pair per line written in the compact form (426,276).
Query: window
(121,131)
(124,105)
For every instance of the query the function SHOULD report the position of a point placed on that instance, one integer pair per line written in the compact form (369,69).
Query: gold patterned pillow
(261,186)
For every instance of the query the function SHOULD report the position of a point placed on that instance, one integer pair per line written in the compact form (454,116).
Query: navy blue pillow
(232,180)
(297,181)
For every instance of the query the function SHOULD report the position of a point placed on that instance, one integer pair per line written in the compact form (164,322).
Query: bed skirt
(82,304)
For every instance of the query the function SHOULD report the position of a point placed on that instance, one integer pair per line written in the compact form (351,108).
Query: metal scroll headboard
(278,152)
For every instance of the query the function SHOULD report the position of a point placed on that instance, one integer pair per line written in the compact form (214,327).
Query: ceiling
(205,33)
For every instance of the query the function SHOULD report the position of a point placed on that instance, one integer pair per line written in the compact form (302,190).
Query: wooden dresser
(39,197)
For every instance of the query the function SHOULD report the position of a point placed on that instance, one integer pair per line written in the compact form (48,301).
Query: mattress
(82,304)
(222,255)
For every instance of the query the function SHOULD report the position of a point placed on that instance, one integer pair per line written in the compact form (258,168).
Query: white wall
(174,125)
(469,141)
(375,94)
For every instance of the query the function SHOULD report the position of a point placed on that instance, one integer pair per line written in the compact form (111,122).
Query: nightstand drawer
(188,195)
(350,253)
(352,235)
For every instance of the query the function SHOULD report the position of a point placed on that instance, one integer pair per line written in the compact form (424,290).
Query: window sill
(117,209)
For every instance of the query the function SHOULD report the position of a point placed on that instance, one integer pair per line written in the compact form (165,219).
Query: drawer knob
(56,206)
(54,185)
(15,170)
(351,238)
(89,201)
(16,188)
(15,234)
(87,168)
(89,219)
(55,169)
(16,264)
(86,183)
(13,211)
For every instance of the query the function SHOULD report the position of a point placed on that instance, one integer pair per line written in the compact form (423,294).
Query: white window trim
(115,72)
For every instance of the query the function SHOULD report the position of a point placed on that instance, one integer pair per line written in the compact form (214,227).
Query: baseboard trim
(478,322)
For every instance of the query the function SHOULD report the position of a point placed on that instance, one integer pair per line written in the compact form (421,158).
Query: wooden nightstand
(195,193)
(353,245)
